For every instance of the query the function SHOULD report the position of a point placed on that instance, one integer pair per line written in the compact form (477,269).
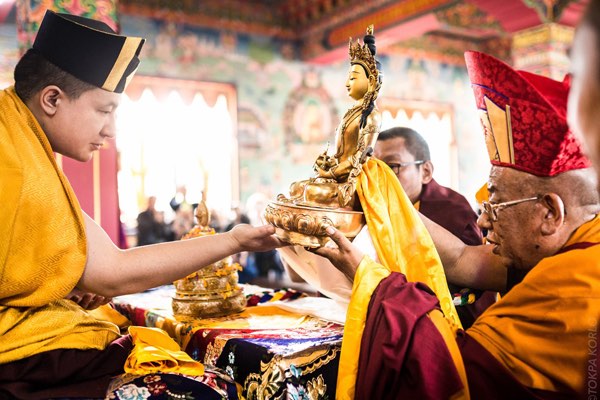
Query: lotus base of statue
(305,226)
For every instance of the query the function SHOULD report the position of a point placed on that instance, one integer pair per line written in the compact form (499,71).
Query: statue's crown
(363,55)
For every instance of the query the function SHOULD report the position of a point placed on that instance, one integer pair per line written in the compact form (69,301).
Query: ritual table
(270,352)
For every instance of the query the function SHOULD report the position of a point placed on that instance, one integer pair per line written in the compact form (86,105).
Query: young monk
(67,89)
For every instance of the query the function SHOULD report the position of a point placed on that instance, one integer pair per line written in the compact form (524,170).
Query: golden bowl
(305,226)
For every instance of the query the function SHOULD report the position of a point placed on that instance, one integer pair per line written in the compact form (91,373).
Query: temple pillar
(94,182)
(543,49)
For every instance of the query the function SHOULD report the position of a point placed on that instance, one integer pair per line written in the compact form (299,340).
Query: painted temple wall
(278,147)
(288,111)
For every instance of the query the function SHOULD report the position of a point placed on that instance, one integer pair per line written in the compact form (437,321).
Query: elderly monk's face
(82,126)
(584,96)
(515,234)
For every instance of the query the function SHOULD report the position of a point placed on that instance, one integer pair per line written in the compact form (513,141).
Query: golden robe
(43,246)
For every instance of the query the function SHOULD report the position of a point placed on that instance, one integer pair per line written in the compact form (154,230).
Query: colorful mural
(277,97)
(31,12)
(9,53)
(309,118)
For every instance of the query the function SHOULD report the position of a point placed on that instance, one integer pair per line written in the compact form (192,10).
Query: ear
(554,214)
(372,83)
(426,172)
(49,99)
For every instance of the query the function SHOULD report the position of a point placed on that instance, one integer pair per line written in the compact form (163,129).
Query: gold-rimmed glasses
(492,209)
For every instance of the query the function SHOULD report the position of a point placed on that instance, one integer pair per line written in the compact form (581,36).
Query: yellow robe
(544,329)
(43,246)
(403,245)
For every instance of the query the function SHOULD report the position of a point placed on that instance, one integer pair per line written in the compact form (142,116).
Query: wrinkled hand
(345,256)
(259,238)
(88,301)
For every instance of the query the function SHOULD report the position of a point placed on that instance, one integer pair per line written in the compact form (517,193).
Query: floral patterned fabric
(212,385)
(267,353)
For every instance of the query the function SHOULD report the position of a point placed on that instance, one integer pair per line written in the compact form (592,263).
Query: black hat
(89,50)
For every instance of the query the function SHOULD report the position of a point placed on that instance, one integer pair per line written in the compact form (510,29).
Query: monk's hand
(344,256)
(254,238)
(86,300)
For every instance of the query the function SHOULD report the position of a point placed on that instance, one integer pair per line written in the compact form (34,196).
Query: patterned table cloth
(269,352)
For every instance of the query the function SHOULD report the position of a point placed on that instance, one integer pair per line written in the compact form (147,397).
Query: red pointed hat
(524,117)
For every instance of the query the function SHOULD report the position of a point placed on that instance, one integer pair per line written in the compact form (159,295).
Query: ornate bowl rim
(317,209)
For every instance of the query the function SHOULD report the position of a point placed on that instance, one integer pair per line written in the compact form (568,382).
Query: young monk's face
(584,96)
(81,126)
(357,83)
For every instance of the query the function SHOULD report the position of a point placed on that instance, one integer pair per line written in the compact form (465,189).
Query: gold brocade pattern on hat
(498,132)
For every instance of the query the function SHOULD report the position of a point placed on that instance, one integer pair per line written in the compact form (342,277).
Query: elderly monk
(67,89)
(544,236)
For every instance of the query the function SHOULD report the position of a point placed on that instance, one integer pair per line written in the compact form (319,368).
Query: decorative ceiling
(318,30)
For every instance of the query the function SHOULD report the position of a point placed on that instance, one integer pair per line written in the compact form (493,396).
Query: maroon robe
(404,356)
(450,210)
(65,372)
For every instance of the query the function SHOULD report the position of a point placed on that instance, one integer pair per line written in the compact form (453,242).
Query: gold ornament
(329,198)
(212,291)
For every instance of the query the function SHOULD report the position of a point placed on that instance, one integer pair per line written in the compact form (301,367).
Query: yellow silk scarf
(43,246)
(154,351)
(403,245)
(545,329)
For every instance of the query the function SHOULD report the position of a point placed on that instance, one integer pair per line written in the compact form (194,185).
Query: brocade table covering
(269,352)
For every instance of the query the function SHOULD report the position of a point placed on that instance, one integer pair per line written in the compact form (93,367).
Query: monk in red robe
(543,245)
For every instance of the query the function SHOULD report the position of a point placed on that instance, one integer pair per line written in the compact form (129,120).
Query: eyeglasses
(492,209)
(396,167)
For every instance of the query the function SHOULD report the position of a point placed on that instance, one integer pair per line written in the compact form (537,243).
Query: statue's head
(362,57)
(358,83)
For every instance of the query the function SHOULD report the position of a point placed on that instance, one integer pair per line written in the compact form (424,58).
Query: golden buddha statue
(333,188)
